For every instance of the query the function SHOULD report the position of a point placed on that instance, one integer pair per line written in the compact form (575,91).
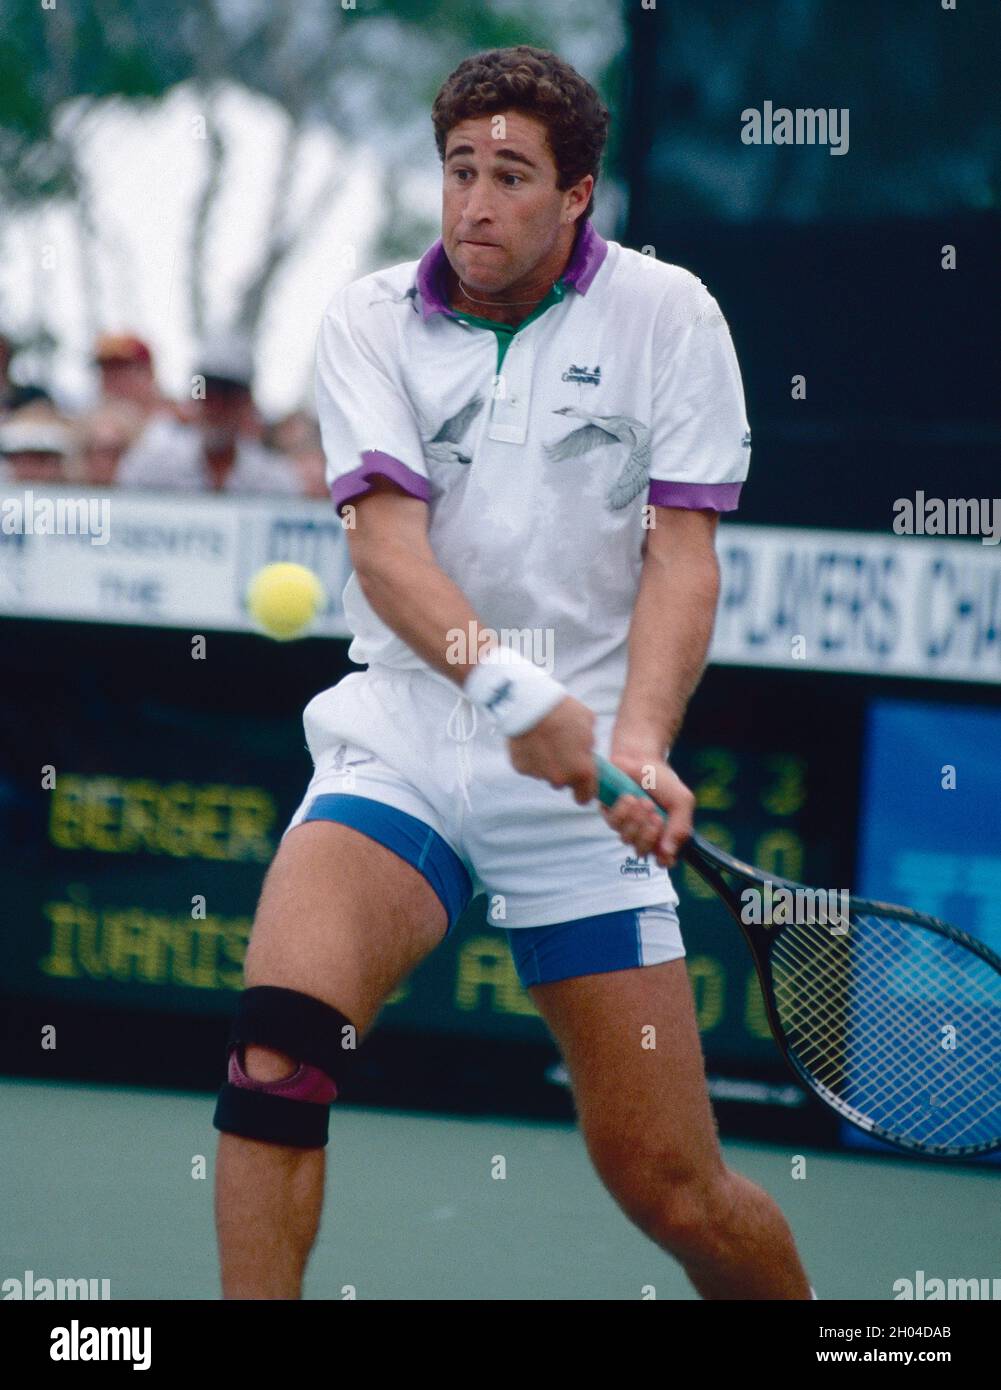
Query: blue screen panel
(930,821)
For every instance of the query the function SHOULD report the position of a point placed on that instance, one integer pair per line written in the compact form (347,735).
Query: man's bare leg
(647,1120)
(345,920)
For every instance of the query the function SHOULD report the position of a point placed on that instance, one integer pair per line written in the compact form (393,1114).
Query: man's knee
(265,1064)
(287,1055)
(661,1191)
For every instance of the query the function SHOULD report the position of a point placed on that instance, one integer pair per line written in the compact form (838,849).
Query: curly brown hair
(540,84)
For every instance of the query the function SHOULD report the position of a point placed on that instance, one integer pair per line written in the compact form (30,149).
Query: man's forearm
(669,637)
(416,599)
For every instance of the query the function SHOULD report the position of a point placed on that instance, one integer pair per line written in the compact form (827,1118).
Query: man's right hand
(560,750)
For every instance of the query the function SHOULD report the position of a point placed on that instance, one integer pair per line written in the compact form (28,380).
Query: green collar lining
(506,331)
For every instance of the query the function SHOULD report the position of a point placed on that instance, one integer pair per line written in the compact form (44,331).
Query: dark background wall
(830,266)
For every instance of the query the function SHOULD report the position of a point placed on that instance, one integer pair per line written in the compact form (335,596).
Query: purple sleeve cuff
(375,464)
(695,497)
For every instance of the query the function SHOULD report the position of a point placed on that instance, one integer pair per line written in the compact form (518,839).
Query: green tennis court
(98,1184)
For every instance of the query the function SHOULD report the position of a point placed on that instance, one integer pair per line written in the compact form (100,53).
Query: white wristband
(515,692)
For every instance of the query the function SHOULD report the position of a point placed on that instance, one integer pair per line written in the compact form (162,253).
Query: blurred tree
(367,73)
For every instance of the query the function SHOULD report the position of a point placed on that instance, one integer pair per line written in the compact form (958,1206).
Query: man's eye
(516,177)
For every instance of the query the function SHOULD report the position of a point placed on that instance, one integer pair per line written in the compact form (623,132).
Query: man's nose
(478,206)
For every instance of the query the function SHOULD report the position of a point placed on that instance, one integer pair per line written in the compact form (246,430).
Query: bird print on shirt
(444,446)
(601,432)
(341,763)
(407,297)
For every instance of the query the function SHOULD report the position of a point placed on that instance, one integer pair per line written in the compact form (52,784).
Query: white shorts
(413,742)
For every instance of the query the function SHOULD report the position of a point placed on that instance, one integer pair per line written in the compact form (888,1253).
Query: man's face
(502,213)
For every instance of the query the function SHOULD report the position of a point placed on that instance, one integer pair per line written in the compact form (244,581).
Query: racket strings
(897,1024)
(816,1002)
(816,1008)
(856,1069)
(893,1043)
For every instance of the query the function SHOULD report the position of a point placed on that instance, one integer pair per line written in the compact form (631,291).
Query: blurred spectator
(104,436)
(30,395)
(223,450)
(298,438)
(34,446)
(13,396)
(126,367)
(6,385)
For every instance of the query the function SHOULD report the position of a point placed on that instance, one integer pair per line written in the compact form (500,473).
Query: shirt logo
(502,693)
(583,376)
(341,761)
(635,868)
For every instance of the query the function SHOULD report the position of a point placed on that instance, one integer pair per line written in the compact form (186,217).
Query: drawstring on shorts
(457,730)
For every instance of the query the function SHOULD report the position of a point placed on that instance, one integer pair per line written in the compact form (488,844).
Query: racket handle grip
(613,783)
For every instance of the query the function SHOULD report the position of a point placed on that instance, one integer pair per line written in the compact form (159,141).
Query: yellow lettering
(129,943)
(708,981)
(175,837)
(485,964)
(90,941)
(65,813)
(60,962)
(139,816)
(235,937)
(205,936)
(787,791)
(714,791)
(104,816)
(253,815)
(125,942)
(132,816)
(780,853)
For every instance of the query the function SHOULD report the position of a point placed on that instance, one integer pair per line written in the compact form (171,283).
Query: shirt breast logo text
(584,376)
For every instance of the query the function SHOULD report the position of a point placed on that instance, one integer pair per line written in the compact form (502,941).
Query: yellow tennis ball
(284,599)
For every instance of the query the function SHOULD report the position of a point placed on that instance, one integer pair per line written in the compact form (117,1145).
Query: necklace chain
(508,304)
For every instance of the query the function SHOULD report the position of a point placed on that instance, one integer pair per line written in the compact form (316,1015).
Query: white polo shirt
(537,448)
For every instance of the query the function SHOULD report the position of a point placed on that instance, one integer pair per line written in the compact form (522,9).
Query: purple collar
(585,261)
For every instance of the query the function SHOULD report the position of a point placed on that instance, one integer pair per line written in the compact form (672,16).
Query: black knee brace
(295,1110)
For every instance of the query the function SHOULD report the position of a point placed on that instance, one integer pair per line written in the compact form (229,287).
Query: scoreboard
(143,799)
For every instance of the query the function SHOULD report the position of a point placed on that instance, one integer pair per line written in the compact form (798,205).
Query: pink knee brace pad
(309,1083)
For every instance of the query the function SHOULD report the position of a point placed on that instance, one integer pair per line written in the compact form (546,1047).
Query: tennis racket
(892,1018)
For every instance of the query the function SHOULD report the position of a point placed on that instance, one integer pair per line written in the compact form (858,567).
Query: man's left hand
(636,821)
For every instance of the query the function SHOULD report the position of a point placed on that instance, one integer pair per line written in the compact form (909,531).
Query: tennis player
(530,434)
